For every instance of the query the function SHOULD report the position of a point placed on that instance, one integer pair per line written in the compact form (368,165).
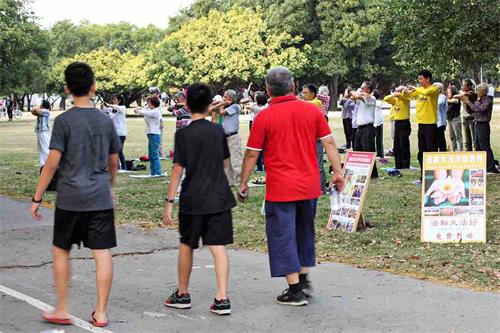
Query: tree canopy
(229,43)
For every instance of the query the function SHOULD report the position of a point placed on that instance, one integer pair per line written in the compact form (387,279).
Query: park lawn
(393,204)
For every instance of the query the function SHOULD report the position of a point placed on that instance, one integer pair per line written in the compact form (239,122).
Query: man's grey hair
(231,93)
(483,86)
(279,81)
(323,90)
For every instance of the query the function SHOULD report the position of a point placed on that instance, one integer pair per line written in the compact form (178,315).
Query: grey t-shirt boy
(85,137)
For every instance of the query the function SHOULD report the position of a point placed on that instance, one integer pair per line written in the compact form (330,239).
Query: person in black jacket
(453,119)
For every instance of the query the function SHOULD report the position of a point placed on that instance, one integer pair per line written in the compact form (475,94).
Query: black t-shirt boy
(201,149)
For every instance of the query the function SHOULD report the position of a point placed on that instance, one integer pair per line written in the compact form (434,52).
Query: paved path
(347,299)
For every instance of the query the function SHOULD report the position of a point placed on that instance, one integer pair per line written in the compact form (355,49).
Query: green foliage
(24,50)
(69,39)
(114,73)
(223,48)
(451,37)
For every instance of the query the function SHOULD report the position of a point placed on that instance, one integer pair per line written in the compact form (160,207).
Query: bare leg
(61,270)
(184,267)
(292,278)
(221,263)
(104,279)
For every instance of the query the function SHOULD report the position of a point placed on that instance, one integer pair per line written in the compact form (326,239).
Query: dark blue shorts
(290,235)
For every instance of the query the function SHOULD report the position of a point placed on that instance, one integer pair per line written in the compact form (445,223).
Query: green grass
(393,204)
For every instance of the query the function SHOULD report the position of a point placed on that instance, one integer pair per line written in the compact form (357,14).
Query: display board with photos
(357,170)
(454,197)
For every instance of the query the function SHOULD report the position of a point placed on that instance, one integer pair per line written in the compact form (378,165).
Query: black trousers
(365,141)
(355,145)
(402,131)
(441,138)
(348,132)
(379,140)
(260,160)
(482,132)
(9,113)
(121,155)
(427,141)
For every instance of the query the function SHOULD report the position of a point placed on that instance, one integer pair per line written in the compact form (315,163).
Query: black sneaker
(222,307)
(178,301)
(289,298)
(307,288)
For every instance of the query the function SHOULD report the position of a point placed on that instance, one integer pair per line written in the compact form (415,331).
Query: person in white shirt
(155,92)
(42,130)
(259,105)
(152,116)
(365,119)
(118,112)
(379,126)
(491,92)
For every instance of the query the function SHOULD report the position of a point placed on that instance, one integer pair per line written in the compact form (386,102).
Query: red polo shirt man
(287,132)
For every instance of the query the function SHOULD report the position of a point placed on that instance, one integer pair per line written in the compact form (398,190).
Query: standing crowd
(288,137)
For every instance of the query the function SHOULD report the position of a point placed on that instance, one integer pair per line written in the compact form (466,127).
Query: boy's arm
(175,179)
(113,167)
(48,171)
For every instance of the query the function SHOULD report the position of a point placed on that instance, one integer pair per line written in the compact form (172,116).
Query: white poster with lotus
(454,197)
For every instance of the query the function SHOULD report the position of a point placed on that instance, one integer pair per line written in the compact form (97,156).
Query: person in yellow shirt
(400,114)
(427,99)
(309,93)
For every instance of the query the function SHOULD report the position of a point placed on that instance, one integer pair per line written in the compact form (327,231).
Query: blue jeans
(154,154)
(290,235)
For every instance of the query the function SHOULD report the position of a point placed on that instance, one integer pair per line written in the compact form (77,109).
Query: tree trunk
(62,103)
(29,97)
(333,86)
(19,101)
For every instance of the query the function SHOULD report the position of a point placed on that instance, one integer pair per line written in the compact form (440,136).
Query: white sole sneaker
(221,312)
(178,305)
(298,303)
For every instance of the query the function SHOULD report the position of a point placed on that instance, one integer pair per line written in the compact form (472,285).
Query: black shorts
(96,230)
(214,229)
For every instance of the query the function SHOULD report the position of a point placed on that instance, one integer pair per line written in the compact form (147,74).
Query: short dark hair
(154,100)
(46,104)
(426,73)
(79,78)
(260,98)
(369,85)
(119,97)
(377,94)
(453,89)
(469,83)
(312,88)
(199,97)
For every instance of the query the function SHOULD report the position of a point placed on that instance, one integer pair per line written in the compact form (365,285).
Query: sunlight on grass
(392,203)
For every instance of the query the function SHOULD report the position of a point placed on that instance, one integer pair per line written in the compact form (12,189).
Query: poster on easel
(454,197)
(357,170)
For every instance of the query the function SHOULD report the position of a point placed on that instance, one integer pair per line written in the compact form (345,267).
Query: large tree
(451,37)
(224,49)
(115,73)
(24,52)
